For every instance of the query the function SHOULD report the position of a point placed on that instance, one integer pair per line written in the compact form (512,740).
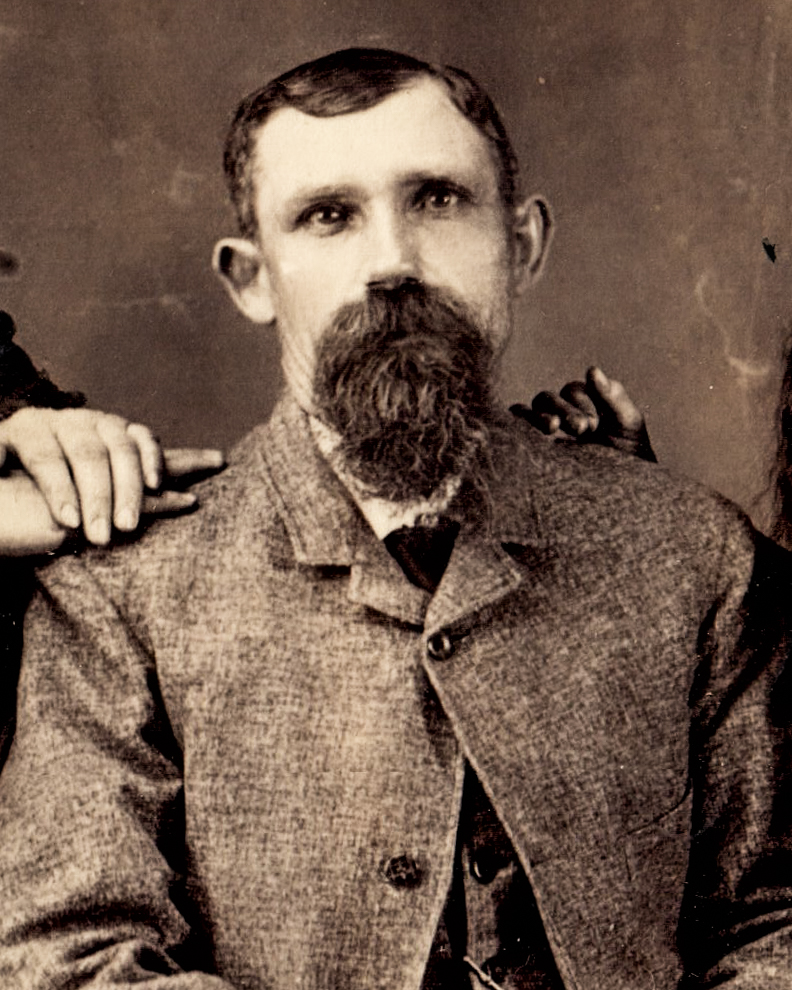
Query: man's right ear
(239,265)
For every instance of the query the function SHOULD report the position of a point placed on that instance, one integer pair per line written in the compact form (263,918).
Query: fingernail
(98,531)
(181,500)
(126,520)
(69,516)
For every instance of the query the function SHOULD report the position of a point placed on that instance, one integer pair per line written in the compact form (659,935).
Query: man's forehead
(417,129)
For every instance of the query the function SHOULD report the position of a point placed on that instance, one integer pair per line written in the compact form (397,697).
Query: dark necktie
(423,552)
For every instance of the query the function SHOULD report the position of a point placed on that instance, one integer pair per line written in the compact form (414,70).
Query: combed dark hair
(345,82)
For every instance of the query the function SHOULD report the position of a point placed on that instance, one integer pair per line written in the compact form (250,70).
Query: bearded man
(419,699)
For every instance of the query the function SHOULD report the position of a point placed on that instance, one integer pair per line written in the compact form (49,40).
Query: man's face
(406,190)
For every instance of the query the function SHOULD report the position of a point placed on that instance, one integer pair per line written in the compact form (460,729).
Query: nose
(392,251)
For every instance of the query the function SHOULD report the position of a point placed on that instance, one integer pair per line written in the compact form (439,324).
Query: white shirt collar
(381,514)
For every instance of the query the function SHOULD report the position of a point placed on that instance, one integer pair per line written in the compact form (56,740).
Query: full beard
(405,378)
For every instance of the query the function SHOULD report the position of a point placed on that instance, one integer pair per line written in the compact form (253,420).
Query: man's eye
(325,218)
(440,199)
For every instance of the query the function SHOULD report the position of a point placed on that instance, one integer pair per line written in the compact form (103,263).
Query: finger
(575,394)
(40,454)
(123,454)
(626,425)
(572,420)
(168,503)
(88,458)
(189,460)
(26,523)
(547,423)
(150,453)
(612,399)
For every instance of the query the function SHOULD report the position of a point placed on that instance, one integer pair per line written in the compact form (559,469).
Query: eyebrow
(306,197)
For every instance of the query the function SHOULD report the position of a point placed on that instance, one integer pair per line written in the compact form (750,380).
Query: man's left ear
(532,229)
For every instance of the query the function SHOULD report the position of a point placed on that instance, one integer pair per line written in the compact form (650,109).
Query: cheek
(478,270)
(304,298)
(481,276)
(476,256)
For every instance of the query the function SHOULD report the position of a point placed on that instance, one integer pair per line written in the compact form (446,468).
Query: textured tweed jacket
(231,731)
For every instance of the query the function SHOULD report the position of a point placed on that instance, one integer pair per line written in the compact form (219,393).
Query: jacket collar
(323,523)
(326,529)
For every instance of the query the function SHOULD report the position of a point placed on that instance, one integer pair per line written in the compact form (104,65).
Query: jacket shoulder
(599,500)
(236,516)
(607,480)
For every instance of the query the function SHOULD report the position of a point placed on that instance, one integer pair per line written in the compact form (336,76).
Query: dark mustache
(408,309)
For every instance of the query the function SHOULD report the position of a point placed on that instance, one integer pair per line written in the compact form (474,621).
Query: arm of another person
(73,468)
(597,410)
(64,467)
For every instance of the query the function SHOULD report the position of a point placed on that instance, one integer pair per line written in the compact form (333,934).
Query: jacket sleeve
(21,383)
(91,820)
(16,578)
(736,919)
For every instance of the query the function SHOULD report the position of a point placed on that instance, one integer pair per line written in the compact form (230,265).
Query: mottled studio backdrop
(660,131)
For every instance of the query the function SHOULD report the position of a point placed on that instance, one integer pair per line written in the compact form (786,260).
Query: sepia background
(660,132)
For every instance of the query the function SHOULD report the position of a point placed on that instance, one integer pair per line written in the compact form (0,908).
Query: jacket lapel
(324,525)
(515,689)
(483,570)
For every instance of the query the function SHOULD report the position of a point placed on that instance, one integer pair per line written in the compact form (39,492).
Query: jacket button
(484,868)
(403,871)
(440,646)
